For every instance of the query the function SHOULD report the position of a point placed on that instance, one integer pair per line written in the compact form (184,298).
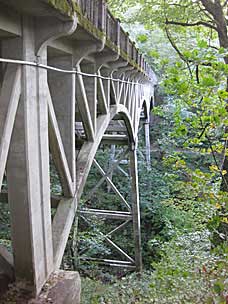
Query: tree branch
(177,50)
(225,3)
(198,23)
(216,162)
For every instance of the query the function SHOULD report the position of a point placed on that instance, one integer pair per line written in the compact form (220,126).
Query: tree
(197,30)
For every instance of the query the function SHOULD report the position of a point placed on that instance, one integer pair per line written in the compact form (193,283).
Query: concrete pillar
(135,208)
(62,89)
(28,170)
(91,90)
(147,142)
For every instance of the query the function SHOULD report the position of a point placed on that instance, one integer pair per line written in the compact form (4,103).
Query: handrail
(72,72)
(97,12)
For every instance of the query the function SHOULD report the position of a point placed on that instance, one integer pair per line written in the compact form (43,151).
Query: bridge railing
(111,28)
(123,40)
(97,12)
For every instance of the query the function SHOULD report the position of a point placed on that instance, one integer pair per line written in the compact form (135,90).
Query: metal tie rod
(51,68)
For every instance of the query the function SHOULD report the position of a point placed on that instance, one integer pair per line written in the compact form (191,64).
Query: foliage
(183,210)
(186,273)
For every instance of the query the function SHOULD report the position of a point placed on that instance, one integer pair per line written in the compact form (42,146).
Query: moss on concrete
(65,8)
(62,6)
(87,25)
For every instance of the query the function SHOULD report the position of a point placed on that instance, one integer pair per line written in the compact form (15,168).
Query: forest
(183,198)
(183,193)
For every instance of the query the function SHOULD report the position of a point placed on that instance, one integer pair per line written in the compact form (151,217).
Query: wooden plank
(9,98)
(58,152)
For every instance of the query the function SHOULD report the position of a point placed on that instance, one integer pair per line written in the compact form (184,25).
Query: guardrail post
(102,12)
(118,33)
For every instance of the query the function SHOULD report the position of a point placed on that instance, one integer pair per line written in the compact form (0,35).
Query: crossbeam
(92,191)
(111,243)
(114,188)
(118,215)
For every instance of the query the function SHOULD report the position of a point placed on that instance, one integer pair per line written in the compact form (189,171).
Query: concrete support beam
(10,25)
(84,107)
(63,287)
(28,170)
(61,227)
(6,263)
(135,209)
(9,98)
(91,91)
(62,89)
(147,140)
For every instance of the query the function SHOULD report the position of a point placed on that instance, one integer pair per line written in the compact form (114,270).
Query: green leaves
(208,81)
(218,287)
(142,38)
(202,44)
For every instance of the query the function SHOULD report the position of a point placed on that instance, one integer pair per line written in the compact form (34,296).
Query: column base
(63,287)
(4,284)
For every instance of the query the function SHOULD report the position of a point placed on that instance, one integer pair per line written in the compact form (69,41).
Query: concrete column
(62,88)
(28,170)
(106,84)
(135,208)
(147,142)
(91,90)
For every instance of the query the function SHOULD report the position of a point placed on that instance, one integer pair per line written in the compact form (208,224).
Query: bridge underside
(69,81)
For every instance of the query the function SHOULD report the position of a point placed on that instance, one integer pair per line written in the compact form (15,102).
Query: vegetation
(184,196)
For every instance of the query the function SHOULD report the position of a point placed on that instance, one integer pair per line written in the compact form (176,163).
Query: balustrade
(97,13)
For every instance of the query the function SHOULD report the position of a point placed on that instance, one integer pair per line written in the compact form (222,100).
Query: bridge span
(70,80)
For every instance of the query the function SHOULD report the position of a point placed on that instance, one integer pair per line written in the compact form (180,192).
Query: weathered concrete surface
(63,287)
(4,282)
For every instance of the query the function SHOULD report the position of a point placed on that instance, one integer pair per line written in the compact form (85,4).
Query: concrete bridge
(70,80)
